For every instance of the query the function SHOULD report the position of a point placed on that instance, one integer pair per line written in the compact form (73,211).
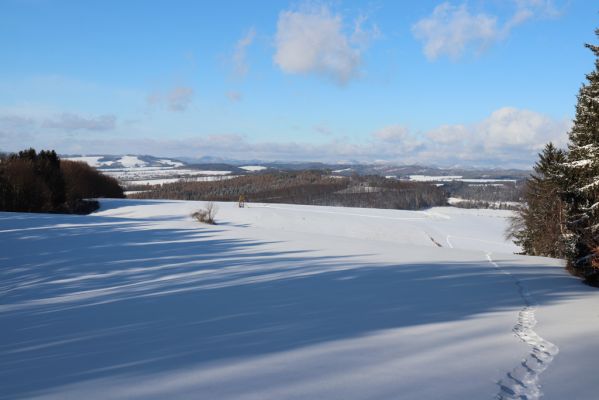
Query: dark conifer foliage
(581,177)
(32,182)
(41,182)
(561,217)
(538,227)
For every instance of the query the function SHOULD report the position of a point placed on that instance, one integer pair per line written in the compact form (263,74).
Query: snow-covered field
(162,175)
(253,168)
(139,301)
(452,178)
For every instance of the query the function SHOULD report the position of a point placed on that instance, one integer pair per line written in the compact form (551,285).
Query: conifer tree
(538,227)
(581,178)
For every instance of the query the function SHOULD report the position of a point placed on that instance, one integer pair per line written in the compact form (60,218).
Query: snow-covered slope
(127,161)
(131,170)
(286,302)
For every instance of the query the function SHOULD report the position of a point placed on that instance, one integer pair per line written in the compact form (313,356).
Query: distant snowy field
(131,170)
(139,301)
(456,178)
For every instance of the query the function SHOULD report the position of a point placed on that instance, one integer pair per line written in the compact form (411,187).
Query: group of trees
(502,192)
(561,216)
(41,182)
(307,187)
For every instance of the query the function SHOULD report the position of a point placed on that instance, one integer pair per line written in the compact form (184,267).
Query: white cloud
(24,127)
(313,41)
(449,134)
(179,98)
(508,137)
(528,9)
(70,122)
(452,30)
(392,134)
(511,127)
(240,64)
(176,99)
(15,121)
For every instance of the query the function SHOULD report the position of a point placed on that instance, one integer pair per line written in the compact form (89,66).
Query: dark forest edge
(42,182)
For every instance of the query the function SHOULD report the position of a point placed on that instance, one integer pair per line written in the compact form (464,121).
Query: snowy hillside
(140,301)
(131,170)
(128,161)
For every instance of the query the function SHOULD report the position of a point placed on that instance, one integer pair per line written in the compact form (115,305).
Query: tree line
(306,187)
(561,216)
(487,192)
(42,182)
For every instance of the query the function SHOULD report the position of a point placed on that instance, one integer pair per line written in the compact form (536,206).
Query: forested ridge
(306,187)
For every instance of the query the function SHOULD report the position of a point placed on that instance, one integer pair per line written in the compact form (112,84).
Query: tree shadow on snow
(105,296)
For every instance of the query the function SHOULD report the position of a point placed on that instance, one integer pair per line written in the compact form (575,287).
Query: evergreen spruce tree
(538,227)
(581,177)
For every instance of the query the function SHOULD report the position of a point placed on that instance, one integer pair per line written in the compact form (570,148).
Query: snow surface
(135,171)
(208,172)
(139,301)
(92,161)
(129,162)
(162,175)
(451,178)
(253,168)
(132,161)
(171,162)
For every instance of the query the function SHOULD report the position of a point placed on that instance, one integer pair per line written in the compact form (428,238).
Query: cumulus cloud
(70,122)
(176,99)
(313,41)
(452,30)
(516,128)
(240,64)
(392,134)
(507,137)
(397,138)
(450,134)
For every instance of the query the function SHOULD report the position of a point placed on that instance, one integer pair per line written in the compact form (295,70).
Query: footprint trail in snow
(523,381)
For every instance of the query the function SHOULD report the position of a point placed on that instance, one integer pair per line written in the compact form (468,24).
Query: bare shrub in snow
(206,215)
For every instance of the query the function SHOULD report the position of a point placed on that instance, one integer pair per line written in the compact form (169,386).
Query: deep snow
(288,302)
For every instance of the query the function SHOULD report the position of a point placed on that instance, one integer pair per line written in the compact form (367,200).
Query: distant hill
(135,170)
(126,161)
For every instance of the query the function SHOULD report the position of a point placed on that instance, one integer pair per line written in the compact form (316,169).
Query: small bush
(207,214)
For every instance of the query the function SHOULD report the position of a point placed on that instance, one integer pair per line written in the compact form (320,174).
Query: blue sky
(432,82)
